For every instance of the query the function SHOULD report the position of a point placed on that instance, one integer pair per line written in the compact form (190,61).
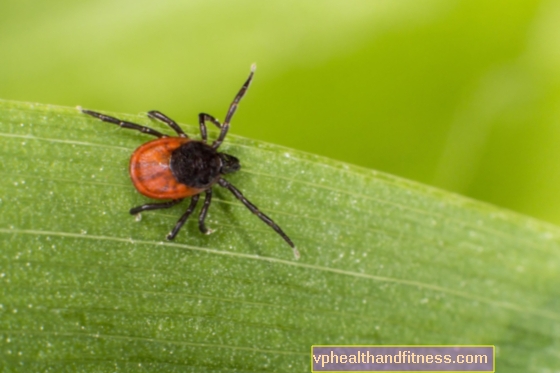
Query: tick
(177,167)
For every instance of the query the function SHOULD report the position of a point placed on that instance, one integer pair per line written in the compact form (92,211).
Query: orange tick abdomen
(151,172)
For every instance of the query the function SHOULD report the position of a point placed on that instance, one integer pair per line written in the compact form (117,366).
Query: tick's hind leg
(204,211)
(183,218)
(122,123)
(154,114)
(154,206)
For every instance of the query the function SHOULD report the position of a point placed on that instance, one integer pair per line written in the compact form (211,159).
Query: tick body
(151,173)
(177,167)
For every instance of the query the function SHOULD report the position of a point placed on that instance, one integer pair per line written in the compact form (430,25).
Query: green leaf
(87,287)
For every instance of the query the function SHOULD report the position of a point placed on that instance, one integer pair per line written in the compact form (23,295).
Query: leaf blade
(384,260)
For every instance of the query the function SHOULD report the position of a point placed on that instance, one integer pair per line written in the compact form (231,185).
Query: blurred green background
(462,95)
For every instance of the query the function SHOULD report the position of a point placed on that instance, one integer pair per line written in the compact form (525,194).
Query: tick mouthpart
(230,164)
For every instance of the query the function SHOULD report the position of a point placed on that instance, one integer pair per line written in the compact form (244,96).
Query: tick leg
(233,108)
(183,218)
(154,114)
(204,211)
(202,118)
(123,124)
(224,183)
(154,206)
